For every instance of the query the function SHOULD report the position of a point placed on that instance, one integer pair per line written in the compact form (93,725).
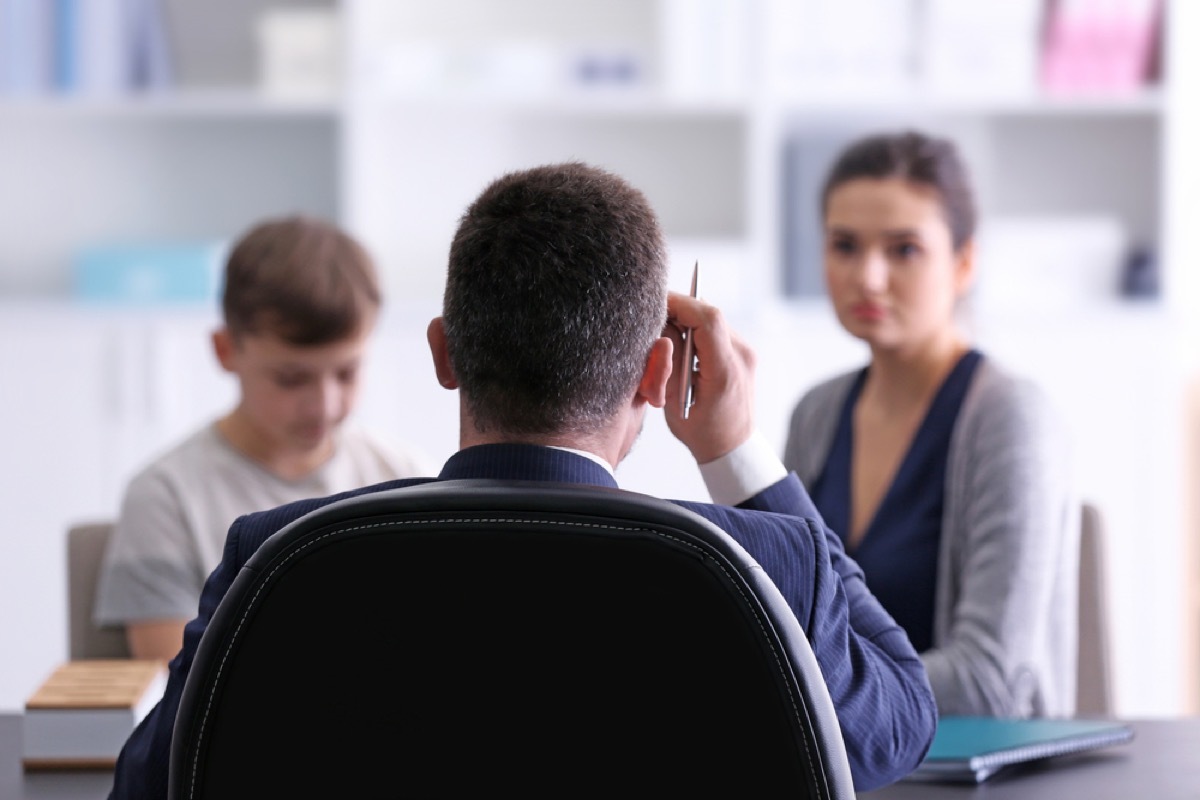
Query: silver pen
(688,397)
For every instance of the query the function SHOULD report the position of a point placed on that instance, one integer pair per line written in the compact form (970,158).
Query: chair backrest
(1094,680)
(465,638)
(85,551)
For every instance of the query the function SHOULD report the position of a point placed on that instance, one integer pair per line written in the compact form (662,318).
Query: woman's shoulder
(998,387)
(827,395)
(1006,402)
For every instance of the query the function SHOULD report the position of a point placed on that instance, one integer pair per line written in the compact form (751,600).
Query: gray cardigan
(1006,600)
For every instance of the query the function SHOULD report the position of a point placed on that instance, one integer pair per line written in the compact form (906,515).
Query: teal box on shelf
(149,273)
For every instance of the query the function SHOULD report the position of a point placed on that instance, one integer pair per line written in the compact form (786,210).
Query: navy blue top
(898,552)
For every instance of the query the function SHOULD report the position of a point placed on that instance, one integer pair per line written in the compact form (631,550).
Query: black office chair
(473,638)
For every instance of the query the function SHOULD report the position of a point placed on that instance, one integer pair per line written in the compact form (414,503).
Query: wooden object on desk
(80,717)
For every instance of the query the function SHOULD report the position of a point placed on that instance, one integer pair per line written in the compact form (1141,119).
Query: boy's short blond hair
(300,278)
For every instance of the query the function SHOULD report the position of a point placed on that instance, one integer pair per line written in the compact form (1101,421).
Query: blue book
(66,45)
(26,47)
(103,57)
(149,273)
(93,47)
(972,749)
(150,48)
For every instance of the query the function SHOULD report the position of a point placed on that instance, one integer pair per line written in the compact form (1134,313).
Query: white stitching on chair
(491,521)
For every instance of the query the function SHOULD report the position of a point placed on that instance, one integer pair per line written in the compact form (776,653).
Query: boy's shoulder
(196,450)
(372,453)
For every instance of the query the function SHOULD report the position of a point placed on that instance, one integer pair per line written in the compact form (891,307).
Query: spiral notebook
(973,749)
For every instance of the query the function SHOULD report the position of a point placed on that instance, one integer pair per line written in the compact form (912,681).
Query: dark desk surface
(1162,762)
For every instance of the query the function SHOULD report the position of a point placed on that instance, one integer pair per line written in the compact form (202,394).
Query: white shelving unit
(231,104)
(185,169)
(416,136)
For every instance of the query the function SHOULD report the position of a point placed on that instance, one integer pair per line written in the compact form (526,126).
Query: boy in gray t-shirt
(300,300)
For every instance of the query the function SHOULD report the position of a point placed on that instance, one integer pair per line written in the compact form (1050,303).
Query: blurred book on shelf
(706,49)
(181,272)
(1049,263)
(987,48)
(510,68)
(26,47)
(300,51)
(978,50)
(524,56)
(830,50)
(1101,47)
(82,48)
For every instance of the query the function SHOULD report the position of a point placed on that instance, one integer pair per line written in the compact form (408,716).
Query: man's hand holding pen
(687,390)
(722,414)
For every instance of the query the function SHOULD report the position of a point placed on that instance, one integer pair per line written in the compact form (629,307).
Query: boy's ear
(436,334)
(224,347)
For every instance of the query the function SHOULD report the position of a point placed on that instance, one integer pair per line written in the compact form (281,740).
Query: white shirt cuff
(742,472)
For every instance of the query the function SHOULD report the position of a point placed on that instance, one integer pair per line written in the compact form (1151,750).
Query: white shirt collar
(590,456)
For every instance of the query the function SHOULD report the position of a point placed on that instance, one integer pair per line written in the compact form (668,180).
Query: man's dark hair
(555,292)
(918,158)
(300,278)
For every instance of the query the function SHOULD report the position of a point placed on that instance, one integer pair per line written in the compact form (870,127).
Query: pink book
(1128,35)
(1099,47)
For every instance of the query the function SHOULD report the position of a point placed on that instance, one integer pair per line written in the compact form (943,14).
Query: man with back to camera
(554,331)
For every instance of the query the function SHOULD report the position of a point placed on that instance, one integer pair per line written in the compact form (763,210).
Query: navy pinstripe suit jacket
(878,684)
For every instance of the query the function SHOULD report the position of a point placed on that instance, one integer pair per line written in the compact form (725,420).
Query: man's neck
(583,446)
(599,447)
(609,443)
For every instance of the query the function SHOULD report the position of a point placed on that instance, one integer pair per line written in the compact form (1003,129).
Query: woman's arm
(1005,624)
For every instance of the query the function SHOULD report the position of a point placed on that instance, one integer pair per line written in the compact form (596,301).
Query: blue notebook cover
(974,748)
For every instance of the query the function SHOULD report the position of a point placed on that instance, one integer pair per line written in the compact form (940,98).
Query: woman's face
(890,265)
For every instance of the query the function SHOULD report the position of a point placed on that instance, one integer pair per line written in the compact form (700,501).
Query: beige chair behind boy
(85,551)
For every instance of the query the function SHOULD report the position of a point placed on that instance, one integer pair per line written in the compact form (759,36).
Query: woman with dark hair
(946,476)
